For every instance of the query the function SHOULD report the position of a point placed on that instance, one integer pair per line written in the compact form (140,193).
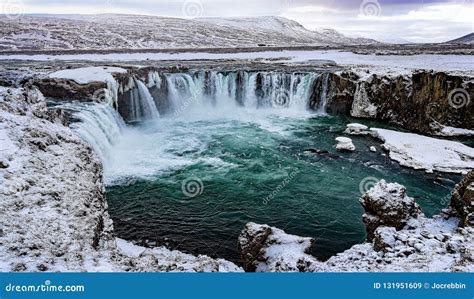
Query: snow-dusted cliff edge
(53,206)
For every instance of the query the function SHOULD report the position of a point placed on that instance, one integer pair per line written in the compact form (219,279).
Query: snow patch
(426,153)
(88,74)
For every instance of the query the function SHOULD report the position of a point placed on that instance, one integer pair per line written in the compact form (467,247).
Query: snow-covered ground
(451,131)
(110,31)
(384,63)
(422,152)
(89,74)
(427,153)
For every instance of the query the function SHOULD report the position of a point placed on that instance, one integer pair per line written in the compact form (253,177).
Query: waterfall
(323,99)
(248,89)
(142,103)
(184,90)
(98,124)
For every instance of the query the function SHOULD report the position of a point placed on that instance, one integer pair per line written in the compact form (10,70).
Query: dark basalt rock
(462,200)
(251,245)
(68,89)
(414,102)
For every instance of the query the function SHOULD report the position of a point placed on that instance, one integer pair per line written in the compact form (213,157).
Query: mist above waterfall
(174,111)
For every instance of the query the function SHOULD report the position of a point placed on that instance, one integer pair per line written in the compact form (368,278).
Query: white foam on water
(178,139)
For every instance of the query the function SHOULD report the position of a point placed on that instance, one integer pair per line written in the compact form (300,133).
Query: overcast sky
(388,20)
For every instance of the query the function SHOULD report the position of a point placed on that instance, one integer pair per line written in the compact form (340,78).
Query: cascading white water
(323,100)
(98,124)
(277,90)
(142,105)
(184,90)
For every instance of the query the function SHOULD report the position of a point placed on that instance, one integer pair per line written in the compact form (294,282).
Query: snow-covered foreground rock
(426,153)
(402,239)
(53,206)
(345,144)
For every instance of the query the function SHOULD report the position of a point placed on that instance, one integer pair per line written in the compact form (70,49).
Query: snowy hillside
(151,32)
(466,39)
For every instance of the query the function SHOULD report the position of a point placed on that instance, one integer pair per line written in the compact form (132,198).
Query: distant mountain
(466,39)
(113,31)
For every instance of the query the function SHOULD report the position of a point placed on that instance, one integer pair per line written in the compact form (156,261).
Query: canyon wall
(423,102)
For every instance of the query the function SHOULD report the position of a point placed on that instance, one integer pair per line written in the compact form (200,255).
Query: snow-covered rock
(427,153)
(373,149)
(362,106)
(423,244)
(269,249)
(357,129)
(451,131)
(345,144)
(89,74)
(54,211)
(387,205)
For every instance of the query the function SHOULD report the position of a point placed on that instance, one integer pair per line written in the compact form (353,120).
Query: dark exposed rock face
(419,102)
(251,242)
(387,205)
(462,200)
(69,89)
(416,103)
(339,91)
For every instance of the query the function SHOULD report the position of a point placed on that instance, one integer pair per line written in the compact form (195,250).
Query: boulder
(387,204)
(345,144)
(269,249)
(462,200)
(357,129)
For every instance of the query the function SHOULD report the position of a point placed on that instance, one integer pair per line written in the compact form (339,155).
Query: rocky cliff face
(420,102)
(462,200)
(423,102)
(400,238)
